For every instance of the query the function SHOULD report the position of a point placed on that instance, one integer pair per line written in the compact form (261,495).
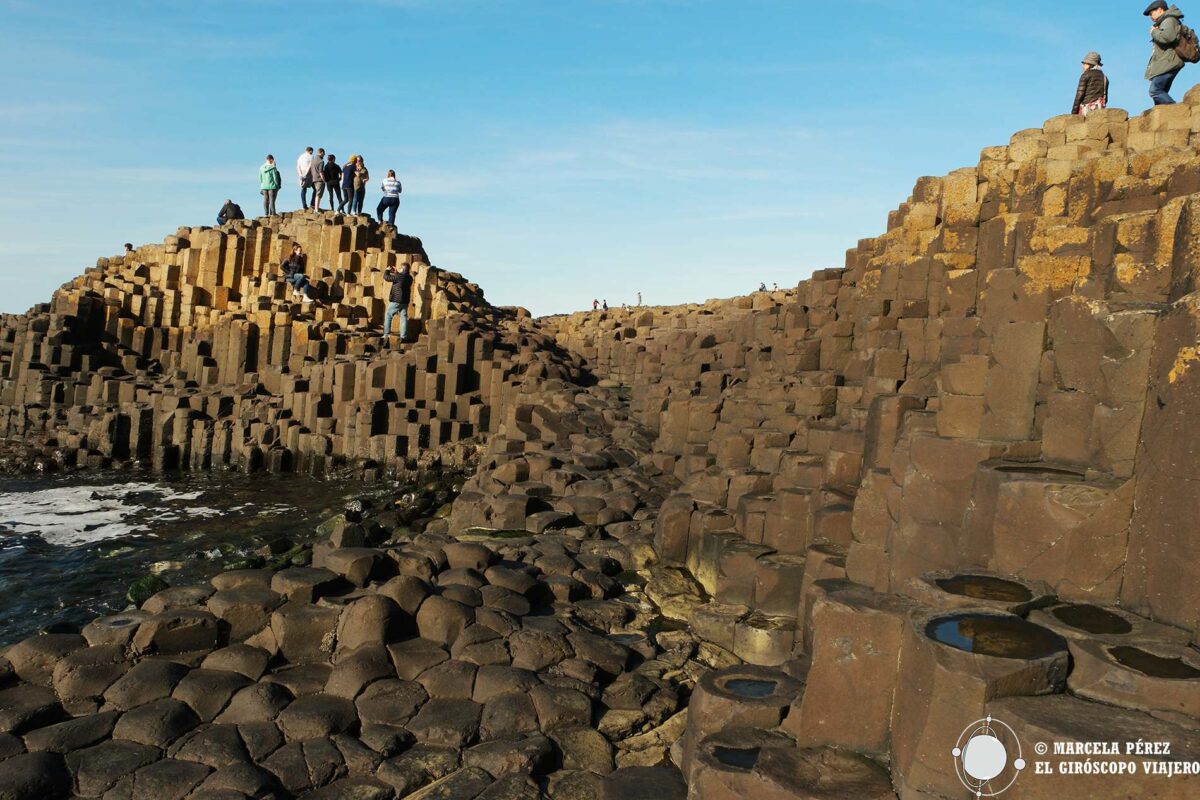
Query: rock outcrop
(807,543)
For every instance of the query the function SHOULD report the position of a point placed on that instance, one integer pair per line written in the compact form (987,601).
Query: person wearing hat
(1165,63)
(1092,94)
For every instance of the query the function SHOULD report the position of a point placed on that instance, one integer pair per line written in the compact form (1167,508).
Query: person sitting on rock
(1092,93)
(1165,63)
(398,300)
(229,211)
(293,273)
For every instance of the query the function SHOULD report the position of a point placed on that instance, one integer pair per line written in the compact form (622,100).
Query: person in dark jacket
(348,171)
(333,181)
(1092,92)
(1165,63)
(229,211)
(398,300)
(293,273)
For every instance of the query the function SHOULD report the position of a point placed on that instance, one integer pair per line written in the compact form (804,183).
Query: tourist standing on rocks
(293,273)
(128,249)
(391,197)
(639,299)
(595,305)
(348,171)
(333,182)
(304,173)
(1092,93)
(604,305)
(269,183)
(229,211)
(1165,63)
(316,171)
(361,178)
(398,300)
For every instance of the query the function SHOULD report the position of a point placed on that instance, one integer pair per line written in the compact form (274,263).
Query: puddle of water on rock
(995,635)
(985,587)
(741,758)
(1154,666)
(1092,619)
(750,687)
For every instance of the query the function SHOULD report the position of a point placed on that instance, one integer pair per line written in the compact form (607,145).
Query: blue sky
(554,151)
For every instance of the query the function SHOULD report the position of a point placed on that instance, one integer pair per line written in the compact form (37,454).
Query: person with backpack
(1092,93)
(1173,45)
(269,182)
(229,211)
(391,198)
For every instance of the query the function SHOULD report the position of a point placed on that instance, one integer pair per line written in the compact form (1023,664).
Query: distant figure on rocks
(333,182)
(304,173)
(1165,63)
(293,272)
(398,300)
(775,287)
(1092,94)
(762,287)
(128,249)
(229,211)
(639,299)
(269,183)
(361,179)
(348,170)
(595,305)
(604,305)
(391,197)
(316,171)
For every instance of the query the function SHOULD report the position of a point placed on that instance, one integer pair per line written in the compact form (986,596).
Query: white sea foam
(70,516)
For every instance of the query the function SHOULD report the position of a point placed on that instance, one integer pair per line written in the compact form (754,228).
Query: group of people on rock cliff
(1173,45)
(319,174)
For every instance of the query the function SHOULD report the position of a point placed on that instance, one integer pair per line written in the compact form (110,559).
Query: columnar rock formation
(188,354)
(945,489)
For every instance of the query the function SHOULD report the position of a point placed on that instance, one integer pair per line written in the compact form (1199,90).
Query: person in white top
(304,173)
(391,197)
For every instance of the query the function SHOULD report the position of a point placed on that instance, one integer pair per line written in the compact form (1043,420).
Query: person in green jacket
(269,182)
(1165,63)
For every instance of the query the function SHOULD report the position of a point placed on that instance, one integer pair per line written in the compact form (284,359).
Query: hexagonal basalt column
(951,589)
(739,763)
(745,696)
(1146,674)
(952,665)
(1103,623)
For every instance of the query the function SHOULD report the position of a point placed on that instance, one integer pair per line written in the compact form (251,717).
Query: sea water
(71,545)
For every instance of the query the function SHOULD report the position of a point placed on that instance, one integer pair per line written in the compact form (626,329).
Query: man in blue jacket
(1165,63)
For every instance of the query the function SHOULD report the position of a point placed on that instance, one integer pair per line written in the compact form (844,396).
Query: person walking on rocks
(316,171)
(391,198)
(293,272)
(361,179)
(333,182)
(1165,63)
(229,211)
(348,170)
(1092,93)
(304,173)
(398,300)
(269,183)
